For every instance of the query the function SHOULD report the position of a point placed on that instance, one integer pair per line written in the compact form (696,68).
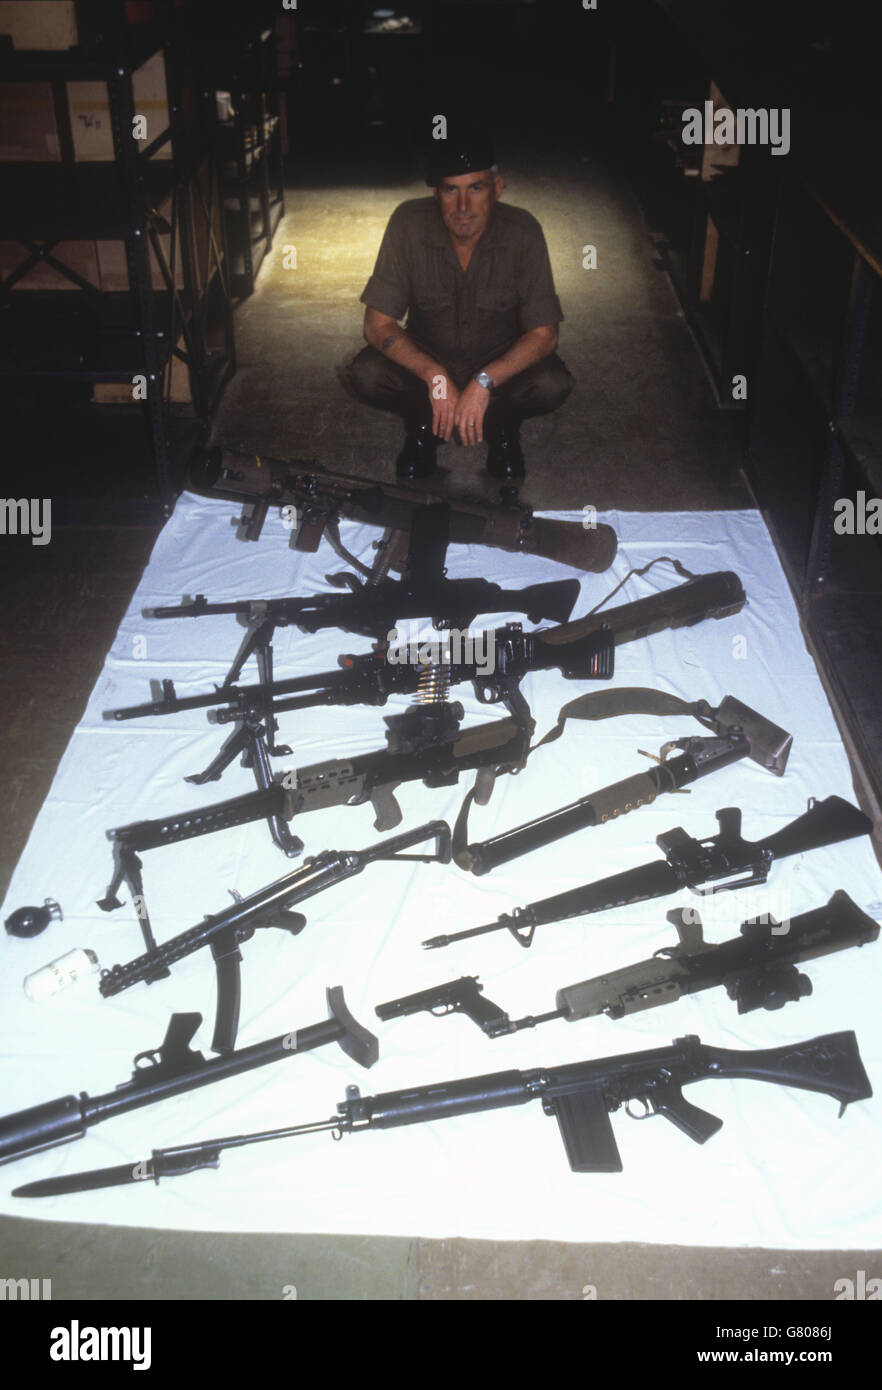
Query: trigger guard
(648,1113)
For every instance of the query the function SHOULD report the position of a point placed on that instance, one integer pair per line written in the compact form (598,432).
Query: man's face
(466,202)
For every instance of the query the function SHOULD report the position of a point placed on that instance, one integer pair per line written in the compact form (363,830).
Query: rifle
(374,604)
(224,932)
(320,498)
(725,861)
(424,743)
(580,1096)
(581,650)
(174,1068)
(740,733)
(757,969)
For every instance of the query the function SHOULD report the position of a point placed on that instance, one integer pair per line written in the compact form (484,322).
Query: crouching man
(473,276)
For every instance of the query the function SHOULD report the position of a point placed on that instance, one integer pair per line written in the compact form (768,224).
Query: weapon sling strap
(598,704)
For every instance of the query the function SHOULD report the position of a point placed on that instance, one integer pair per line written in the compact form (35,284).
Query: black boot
(505,459)
(417,458)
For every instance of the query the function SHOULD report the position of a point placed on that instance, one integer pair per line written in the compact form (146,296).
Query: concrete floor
(639,432)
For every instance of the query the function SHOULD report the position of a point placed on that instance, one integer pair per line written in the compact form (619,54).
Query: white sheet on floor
(783,1171)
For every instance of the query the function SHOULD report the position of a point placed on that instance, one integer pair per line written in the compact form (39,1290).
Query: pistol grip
(698,1124)
(387,812)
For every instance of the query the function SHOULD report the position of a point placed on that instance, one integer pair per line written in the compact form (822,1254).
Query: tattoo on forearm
(387,342)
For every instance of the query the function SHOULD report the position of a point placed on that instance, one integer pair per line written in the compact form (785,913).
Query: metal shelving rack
(251,161)
(102,335)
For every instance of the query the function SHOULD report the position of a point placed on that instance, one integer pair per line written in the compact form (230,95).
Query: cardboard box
(114,269)
(52,24)
(175,385)
(90,111)
(27,122)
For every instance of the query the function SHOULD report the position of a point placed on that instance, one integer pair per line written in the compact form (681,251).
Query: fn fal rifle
(757,970)
(225,931)
(717,864)
(581,1096)
(318,499)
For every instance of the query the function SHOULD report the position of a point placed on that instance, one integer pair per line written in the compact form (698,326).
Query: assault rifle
(174,1068)
(757,969)
(423,744)
(318,499)
(740,733)
(224,932)
(724,861)
(580,1096)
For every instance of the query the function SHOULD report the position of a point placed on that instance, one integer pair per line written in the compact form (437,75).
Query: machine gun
(315,500)
(174,1068)
(224,932)
(581,650)
(423,744)
(369,678)
(757,969)
(724,861)
(581,1096)
(374,605)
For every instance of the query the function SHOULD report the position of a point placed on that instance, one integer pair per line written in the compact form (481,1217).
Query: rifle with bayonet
(757,969)
(581,1096)
(740,733)
(316,499)
(173,1069)
(224,932)
(717,864)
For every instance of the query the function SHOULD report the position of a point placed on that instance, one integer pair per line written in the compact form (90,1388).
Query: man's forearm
(529,349)
(395,344)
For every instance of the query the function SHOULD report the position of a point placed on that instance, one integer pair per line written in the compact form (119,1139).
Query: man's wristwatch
(484,379)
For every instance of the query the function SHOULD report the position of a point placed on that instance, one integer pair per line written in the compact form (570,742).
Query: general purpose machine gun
(717,864)
(423,744)
(224,932)
(374,605)
(173,1069)
(757,969)
(581,1096)
(316,499)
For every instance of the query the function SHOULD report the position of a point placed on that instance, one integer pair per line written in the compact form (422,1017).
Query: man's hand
(445,399)
(470,411)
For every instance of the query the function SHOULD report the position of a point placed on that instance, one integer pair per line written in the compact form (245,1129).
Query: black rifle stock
(174,1068)
(581,1096)
(224,932)
(719,863)
(758,970)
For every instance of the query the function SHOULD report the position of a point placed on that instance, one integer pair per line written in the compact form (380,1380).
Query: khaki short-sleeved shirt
(464,318)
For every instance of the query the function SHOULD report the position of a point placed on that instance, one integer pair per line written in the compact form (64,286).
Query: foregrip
(422,1104)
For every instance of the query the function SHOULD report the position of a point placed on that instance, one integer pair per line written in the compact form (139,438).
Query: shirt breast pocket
(497,315)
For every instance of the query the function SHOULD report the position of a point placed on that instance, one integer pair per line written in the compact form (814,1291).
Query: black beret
(466,150)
